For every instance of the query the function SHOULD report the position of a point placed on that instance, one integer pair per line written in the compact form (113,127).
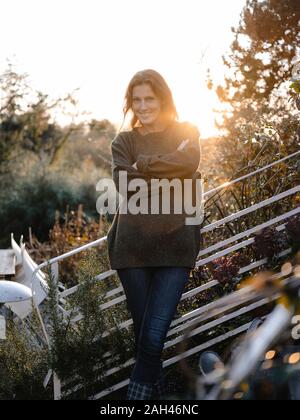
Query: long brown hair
(159,87)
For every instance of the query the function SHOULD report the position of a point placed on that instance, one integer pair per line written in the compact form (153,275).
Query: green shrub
(32,203)
(23,366)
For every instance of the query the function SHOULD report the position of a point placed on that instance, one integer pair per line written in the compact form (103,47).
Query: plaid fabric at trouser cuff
(139,391)
(159,388)
(142,391)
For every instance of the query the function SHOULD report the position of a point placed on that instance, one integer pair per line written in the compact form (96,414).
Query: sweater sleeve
(178,164)
(122,160)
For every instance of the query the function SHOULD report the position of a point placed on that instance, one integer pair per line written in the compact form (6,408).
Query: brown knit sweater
(154,240)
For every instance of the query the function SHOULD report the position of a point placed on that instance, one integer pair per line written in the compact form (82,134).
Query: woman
(152,252)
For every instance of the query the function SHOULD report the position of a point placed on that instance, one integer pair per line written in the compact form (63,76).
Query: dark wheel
(209,361)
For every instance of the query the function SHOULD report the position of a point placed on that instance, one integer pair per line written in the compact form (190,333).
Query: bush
(23,366)
(33,203)
(77,349)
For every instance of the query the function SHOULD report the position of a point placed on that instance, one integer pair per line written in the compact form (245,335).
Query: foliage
(255,146)
(34,202)
(226,269)
(260,61)
(26,122)
(293,231)
(71,229)
(268,243)
(23,366)
(78,349)
(43,167)
(87,149)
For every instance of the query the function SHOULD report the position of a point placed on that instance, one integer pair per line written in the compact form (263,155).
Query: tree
(261,59)
(259,125)
(26,123)
(102,127)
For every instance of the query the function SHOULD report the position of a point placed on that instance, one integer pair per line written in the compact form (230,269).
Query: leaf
(295,86)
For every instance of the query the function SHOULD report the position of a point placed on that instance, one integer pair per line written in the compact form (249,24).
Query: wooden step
(7,262)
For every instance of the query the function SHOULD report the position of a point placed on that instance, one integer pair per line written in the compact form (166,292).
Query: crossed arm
(182,163)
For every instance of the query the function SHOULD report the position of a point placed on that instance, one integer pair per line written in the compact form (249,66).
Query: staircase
(204,318)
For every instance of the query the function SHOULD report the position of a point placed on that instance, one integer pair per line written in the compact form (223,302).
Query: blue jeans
(153,294)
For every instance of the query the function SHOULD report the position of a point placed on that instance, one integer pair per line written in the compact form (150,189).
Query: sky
(98,45)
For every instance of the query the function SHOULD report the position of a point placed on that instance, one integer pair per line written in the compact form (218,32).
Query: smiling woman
(153,251)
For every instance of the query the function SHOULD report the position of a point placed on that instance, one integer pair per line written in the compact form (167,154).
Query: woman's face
(145,104)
